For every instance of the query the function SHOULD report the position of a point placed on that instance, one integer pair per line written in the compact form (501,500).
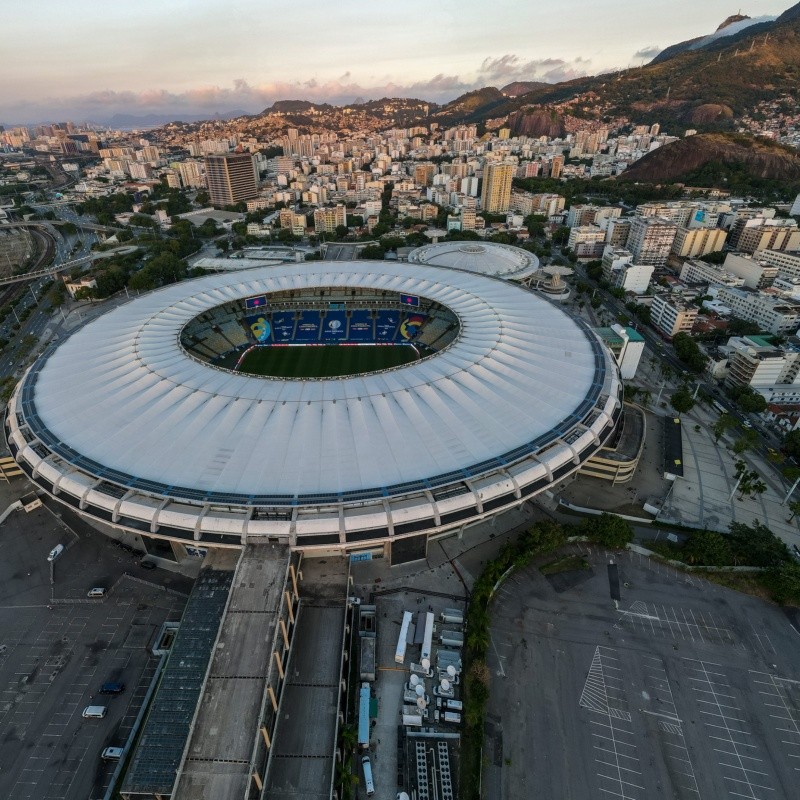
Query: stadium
(332,406)
(482,258)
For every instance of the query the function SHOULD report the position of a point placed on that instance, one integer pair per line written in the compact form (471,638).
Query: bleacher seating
(229,328)
(434,330)
(234,333)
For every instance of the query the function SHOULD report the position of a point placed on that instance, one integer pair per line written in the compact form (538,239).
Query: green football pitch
(330,361)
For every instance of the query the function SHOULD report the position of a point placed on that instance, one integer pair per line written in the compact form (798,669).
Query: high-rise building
(650,240)
(496,192)
(696,242)
(671,316)
(326,220)
(231,178)
(620,271)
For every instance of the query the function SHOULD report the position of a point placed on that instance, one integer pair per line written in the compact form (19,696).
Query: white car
(111,754)
(98,591)
(56,552)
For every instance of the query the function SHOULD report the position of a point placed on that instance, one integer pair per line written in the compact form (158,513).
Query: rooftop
(166,728)
(221,744)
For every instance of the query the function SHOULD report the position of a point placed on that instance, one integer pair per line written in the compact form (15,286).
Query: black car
(148,565)
(112,687)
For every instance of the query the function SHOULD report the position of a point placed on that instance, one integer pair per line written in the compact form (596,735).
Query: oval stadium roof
(123,393)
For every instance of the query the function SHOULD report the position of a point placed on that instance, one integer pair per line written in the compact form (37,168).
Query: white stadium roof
(121,397)
(483,258)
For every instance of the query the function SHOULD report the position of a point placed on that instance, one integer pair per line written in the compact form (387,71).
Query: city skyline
(192,59)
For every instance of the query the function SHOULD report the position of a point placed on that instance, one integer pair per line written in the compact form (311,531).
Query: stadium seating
(227,329)
(234,333)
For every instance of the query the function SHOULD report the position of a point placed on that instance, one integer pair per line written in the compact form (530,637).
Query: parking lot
(57,648)
(686,690)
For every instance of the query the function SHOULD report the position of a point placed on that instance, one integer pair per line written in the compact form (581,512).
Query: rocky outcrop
(673,162)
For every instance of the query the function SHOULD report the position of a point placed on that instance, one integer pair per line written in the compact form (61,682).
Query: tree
(608,530)
(372,251)
(756,545)
(745,442)
(688,351)
(747,399)
(794,507)
(784,583)
(708,548)
(791,444)
(724,423)
(682,401)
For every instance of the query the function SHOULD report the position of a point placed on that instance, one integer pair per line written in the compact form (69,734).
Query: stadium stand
(217,335)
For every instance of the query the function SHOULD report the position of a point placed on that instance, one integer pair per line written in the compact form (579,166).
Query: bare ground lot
(688,690)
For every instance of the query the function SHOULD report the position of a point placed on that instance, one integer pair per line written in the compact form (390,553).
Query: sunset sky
(83,60)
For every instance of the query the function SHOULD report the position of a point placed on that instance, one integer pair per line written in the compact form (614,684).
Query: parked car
(148,565)
(98,591)
(56,552)
(111,754)
(112,687)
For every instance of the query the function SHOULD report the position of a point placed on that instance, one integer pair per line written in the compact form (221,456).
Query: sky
(85,60)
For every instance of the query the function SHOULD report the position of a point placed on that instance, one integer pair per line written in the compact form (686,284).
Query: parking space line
(742,772)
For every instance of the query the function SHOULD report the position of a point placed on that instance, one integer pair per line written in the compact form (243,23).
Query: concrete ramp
(243,680)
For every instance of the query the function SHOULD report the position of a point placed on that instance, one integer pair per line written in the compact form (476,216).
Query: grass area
(751,583)
(569,563)
(329,361)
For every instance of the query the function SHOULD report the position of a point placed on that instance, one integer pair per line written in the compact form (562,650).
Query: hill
(704,88)
(518,88)
(712,159)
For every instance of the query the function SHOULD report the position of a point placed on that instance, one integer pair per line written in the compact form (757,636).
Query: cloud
(509,68)
(647,53)
(241,95)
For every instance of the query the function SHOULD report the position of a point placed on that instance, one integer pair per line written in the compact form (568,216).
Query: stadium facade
(140,423)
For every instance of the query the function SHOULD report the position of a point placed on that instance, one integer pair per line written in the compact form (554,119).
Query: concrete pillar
(279,662)
(265,734)
(289,606)
(272,697)
(285,634)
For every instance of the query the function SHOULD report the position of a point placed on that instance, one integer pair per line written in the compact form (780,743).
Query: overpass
(43,223)
(52,271)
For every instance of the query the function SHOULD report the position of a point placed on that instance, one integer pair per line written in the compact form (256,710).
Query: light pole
(789,493)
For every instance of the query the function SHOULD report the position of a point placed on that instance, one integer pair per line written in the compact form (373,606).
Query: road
(665,352)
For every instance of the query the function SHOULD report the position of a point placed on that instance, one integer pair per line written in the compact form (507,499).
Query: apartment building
(496,191)
(296,223)
(787,264)
(587,242)
(769,234)
(326,220)
(774,314)
(697,242)
(622,273)
(709,274)
(772,371)
(757,274)
(670,315)
(231,178)
(650,240)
